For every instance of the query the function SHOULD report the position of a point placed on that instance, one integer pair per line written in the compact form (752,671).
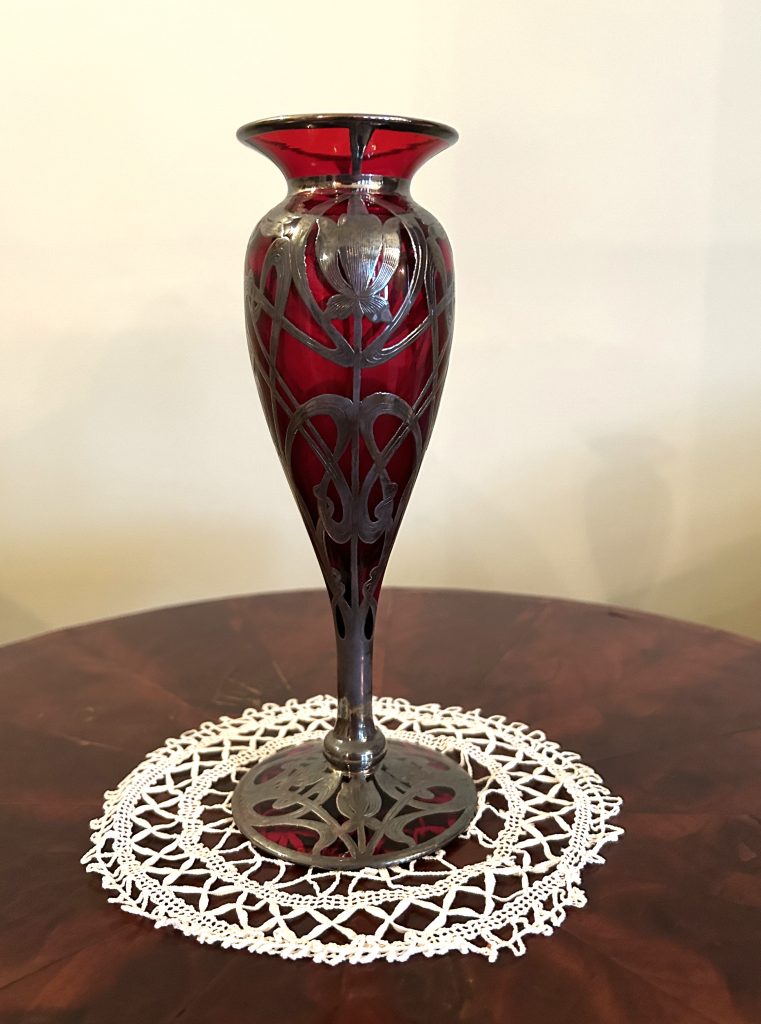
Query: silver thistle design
(358,255)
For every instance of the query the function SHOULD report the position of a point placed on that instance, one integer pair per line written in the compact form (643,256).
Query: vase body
(349,304)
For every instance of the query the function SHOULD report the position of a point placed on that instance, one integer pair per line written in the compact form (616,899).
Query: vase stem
(355,744)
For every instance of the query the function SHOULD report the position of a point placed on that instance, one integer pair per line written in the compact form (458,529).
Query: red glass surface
(290,373)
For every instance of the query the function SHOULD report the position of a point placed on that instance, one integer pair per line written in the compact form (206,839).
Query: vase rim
(391,121)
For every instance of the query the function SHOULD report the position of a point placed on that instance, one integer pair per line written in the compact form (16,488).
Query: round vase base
(294,805)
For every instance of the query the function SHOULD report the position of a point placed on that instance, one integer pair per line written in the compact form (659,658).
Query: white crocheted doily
(167,848)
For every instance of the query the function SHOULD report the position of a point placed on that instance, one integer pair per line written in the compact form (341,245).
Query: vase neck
(374,184)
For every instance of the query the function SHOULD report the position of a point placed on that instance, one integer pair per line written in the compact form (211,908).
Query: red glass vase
(349,301)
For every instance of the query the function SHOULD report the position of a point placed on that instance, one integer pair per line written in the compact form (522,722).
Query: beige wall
(600,436)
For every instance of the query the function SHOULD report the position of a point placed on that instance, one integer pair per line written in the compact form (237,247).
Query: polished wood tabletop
(669,713)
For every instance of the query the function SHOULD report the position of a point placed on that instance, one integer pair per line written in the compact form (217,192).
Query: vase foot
(295,806)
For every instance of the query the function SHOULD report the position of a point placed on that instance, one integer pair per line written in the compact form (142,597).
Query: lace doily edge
(545,914)
(546,919)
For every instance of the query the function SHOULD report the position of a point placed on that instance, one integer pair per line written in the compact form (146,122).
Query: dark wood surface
(669,713)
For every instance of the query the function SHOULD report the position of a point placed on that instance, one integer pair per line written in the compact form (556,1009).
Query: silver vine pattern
(357,254)
(295,801)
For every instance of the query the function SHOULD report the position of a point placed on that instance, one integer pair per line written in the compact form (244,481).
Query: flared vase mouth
(373,121)
(339,145)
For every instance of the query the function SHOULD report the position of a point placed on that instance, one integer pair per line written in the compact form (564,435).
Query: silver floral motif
(358,255)
(416,799)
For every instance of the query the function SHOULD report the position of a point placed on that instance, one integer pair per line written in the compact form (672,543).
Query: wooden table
(669,713)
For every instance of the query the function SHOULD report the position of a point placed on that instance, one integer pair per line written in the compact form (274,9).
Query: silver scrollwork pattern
(295,801)
(320,274)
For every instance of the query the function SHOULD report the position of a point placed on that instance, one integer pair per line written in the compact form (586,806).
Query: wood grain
(669,713)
